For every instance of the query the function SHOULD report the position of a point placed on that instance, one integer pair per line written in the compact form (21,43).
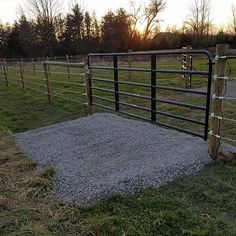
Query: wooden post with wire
(187,65)
(5,72)
(22,76)
(47,83)
(88,92)
(130,65)
(6,67)
(49,71)
(68,68)
(21,63)
(33,65)
(217,104)
(188,79)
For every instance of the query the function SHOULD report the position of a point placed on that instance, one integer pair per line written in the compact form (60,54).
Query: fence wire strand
(221,116)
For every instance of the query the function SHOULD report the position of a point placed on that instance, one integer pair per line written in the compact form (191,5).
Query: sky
(175,13)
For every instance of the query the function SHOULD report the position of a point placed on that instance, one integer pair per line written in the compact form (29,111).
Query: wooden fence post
(6,66)
(49,70)
(5,72)
(218,91)
(68,68)
(22,76)
(47,83)
(33,65)
(130,65)
(88,91)
(13,64)
(22,62)
(188,77)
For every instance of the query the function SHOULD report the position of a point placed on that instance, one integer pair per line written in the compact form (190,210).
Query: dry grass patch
(27,203)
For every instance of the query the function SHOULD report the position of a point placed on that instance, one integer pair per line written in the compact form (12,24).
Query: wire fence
(67,58)
(62,81)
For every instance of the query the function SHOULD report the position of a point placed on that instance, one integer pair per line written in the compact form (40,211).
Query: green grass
(203,204)
(188,206)
(21,111)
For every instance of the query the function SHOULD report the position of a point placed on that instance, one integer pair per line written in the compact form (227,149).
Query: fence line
(71,58)
(43,82)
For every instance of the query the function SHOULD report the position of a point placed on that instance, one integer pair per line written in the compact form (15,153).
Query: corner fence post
(153,87)
(116,82)
(22,76)
(217,104)
(88,90)
(5,72)
(46,81)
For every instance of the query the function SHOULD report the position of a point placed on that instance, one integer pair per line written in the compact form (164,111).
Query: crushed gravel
(104,155)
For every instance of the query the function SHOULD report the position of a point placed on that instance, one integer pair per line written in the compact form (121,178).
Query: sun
(140,27)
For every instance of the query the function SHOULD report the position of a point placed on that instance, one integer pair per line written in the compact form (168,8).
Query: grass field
(203,204)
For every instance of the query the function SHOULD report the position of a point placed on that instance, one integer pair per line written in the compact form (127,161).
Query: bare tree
(151,18)
(199,20)
(45,13)
(233,23)
(147,15)
(44,10)
(135,13)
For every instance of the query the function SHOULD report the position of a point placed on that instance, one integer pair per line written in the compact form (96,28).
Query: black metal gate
(154,71)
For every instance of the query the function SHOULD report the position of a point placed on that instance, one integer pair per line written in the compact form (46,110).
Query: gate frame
(153,87)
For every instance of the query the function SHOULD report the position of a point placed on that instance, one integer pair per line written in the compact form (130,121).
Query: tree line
(45,31)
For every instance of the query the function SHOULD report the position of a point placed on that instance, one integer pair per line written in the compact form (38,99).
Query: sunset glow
(175,13)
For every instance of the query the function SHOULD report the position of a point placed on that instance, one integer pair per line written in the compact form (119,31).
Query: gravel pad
(104,155)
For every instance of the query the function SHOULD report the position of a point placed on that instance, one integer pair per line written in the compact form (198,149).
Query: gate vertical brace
(153,87)
(116,84)
(208,103)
